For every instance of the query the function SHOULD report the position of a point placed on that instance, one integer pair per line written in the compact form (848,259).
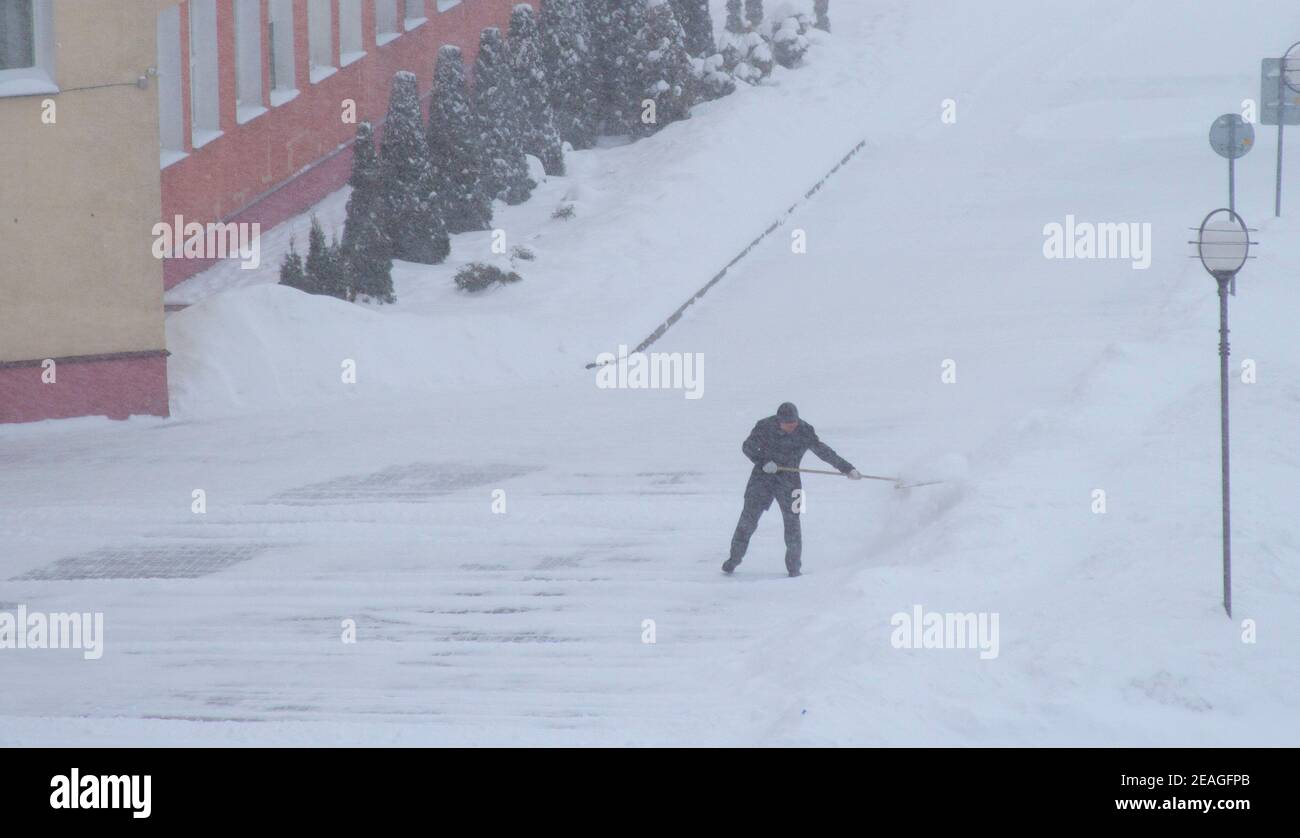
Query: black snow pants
(759,494)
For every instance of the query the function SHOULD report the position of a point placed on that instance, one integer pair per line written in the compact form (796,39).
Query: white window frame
(38,79)
(444,5)
(387,21)
(284,69)
(320,40)
(171,98)
(248,60)
(205,81)
(352,38)
(414,13)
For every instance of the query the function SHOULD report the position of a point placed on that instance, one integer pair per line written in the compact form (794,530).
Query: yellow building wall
(79,197)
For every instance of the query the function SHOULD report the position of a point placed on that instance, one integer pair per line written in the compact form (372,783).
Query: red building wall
(116,386)
(280,163)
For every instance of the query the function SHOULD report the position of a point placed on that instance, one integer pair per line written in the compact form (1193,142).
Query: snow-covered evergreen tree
(697,22)
(496,109)
(292,271)
(539,135)
(664,70)
(754,13)
(412,223)
(822,9)
(567,59)
(366,252)
(615,26)
(323,270)
(463,201)
(735,22)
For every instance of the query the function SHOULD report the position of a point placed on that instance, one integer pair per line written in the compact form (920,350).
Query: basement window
(26,48)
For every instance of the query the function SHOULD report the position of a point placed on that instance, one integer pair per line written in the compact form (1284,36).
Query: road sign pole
(1232,184)
(1232,169)
(1281,105)
(1223,417)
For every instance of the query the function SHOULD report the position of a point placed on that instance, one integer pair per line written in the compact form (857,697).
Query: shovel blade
(917,485)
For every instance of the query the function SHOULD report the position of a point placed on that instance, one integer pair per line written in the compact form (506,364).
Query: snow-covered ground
(374,502)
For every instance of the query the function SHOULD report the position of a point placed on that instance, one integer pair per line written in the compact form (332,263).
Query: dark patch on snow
(164,561)
(411,483)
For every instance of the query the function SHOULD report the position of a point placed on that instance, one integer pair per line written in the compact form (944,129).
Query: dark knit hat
(787,413)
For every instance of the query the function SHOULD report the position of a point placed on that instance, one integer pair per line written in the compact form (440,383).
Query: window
(284,85)
(248,59)
(320,31)
(26,48)
(17,35)
(171,120)
(444,5)
(415,13)
(386,28)
(351,45)
(205,86)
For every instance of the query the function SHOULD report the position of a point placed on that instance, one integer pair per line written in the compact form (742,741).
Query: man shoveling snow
(776,445)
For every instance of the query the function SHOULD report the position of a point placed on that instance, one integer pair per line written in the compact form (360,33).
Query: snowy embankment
(527,627)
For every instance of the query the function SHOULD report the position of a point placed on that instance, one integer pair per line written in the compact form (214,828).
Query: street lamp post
(1223,246)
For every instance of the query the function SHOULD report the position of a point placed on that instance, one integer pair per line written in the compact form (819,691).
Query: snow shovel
(897,481)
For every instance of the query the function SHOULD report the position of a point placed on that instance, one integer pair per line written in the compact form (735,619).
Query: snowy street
(500,529)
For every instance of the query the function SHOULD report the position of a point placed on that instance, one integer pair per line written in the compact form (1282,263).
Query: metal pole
(1281,118)
(1232,191)
(1232,166)
(1223,410)
(1232,184)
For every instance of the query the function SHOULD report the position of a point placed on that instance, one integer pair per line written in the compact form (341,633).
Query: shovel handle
(835,473)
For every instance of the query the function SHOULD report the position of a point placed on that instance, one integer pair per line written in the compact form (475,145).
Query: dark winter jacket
(767,443)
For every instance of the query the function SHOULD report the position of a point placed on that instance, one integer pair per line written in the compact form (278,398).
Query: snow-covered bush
(746,54)
(790,40)
(712,81)
(479,276)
